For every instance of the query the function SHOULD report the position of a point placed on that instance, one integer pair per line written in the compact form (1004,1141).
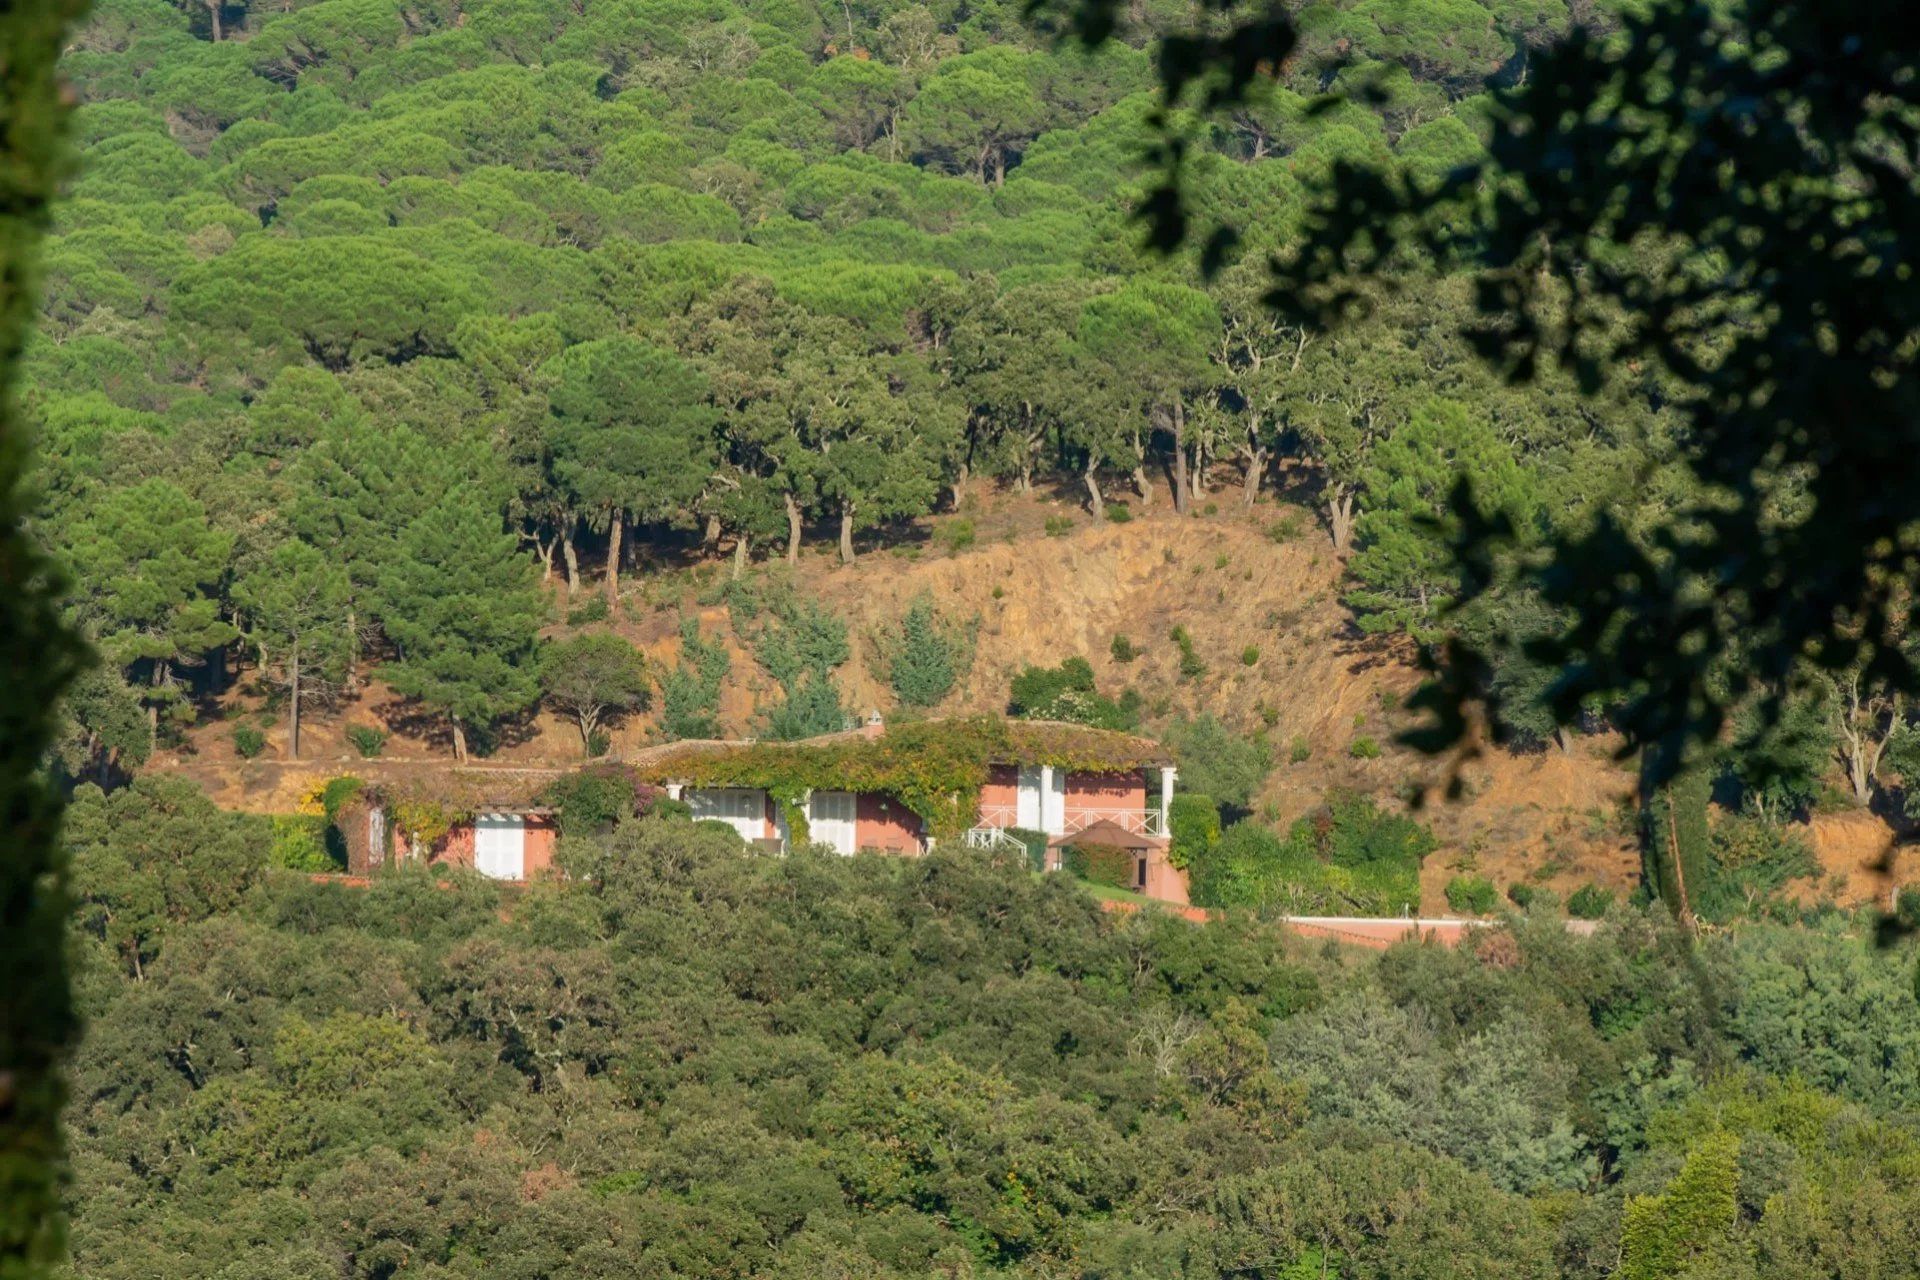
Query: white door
(830,819)
(500,847)
(742,808)
(1053,804)
(1026,799)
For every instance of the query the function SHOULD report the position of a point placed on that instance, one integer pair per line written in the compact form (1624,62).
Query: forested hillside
(365,318)
(698,1061)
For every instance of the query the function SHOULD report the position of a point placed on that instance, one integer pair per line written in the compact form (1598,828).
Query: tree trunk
(615,527)
(1256,470)
(999,166)
(546,559)
(711,538)
(588,721)
(740,549)
(459,742)
(793,530)
(293,702)
(158,681)
(571,556)
(1182,482)
(1094,502)
(213,12)
(846,533)
(1340,502)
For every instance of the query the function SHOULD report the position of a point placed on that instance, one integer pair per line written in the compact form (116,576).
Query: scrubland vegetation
(700,1061)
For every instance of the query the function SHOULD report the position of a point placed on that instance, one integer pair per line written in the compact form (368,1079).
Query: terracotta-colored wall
(883,823)
(1002,790)
(455,849)
(1107,791)
(1165,881)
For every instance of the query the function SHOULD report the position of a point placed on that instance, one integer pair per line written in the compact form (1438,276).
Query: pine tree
(460,605)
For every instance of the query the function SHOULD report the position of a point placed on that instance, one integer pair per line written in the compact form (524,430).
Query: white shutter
(742,808)
(500,847)
(832,820)
(1026,800)
(1053,803)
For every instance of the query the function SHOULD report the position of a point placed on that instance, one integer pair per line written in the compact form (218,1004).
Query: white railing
(985,837)
(1139,822)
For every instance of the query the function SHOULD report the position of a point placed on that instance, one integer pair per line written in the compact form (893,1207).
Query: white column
(674,789)
(1048,820)
(1166,798)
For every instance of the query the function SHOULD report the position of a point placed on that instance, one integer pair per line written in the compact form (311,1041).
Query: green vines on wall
(935,768)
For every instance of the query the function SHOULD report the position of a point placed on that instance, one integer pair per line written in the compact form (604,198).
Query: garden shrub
(1471,895)
(299,843)
(1067,693)
(596,798)
(1036,845)
(1193,824)
(248,741)
(367,740)
(1102,864)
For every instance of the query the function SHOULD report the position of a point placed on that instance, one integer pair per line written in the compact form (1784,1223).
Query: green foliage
(957,535)
(1589,902)
(300,843)
(923,654)
(1472,895)
(1217,762)
(1299,751)
(595,799)
(1677,840)
(690,693)
(1751,860)
(593,676)
(248,741)
(1348,859)
(1100,864)
(1122,649)
(936,768)
(1193,826)
(1250,656)
(1191,665)
(1059,526)
(800,645)
(153,857)
(1364,748)
(368,740)
(1117,513)
(1066,693)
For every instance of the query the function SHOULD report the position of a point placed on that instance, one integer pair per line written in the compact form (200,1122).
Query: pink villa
(501,830)
(1074,785)
(1107,797)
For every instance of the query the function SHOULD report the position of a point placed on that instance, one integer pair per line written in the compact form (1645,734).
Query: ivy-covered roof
(934,767)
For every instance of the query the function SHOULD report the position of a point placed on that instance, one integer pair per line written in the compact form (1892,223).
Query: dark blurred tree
(1722,193)
(41,655)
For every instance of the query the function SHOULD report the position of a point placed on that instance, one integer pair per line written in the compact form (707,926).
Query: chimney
(874,725)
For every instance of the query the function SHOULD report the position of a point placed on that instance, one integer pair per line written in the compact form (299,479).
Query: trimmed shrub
(1472,895)
(1193,825)
(1101,864)
(367,740)
(248,741)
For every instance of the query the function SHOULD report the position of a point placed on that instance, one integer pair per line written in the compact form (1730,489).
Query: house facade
(495,827)
(1061,781)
